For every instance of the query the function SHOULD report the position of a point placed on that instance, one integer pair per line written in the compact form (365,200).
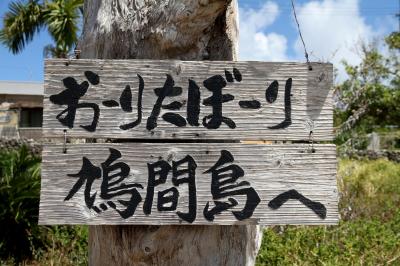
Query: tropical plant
(25,19)
(19,202)
(368,99)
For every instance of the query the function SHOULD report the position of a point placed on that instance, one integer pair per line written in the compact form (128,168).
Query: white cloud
(332,30)
(254,43)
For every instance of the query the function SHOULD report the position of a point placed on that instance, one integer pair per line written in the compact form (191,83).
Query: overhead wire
(343,10)
(301,36)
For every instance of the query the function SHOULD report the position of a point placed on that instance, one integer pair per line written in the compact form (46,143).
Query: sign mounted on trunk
(179,180)
(187,100)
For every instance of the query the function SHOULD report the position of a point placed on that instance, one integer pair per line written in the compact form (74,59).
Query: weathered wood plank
(311,100)
(269,169)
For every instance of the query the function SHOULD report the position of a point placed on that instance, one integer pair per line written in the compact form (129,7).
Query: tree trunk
(160,29)
(166,29)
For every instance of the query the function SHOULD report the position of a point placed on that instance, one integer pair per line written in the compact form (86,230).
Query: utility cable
(301,36)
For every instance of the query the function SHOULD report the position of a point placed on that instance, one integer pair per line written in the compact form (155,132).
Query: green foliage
(61,18)
(368,99)
(362,242)
(62,245)
(19,201)
(367,235)
(21,23)
(21,239)
(26,18)
(65,245)
(393,40)
(371,189)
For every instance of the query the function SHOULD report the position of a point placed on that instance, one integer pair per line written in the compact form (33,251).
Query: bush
(19,201)
(65,245)
(21,239)
(369,233)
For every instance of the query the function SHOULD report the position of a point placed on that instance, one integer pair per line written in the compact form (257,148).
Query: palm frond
(20,24)
(51,51)
(61,17)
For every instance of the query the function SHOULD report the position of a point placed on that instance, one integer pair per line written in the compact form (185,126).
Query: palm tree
(24,19)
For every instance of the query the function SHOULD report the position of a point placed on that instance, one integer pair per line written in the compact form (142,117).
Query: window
(31,117)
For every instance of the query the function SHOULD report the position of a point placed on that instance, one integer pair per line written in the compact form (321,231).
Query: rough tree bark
(166,29)
(160,29)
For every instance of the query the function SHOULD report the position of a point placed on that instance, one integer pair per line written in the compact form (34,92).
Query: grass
(360,242)
(368,234)
(67,245)
(61,245)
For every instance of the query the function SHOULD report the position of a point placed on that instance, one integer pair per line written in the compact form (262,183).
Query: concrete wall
(18,101)
(10,106)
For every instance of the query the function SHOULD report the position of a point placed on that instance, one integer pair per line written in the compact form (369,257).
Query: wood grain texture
(270,170)
(160,29)
(157,29)
(311,99)
(162,245)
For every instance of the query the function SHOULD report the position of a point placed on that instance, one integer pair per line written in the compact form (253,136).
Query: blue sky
(332,30)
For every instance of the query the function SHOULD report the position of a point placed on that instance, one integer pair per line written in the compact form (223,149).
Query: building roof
(21,88)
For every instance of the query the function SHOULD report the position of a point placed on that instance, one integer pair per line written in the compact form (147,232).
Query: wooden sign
(162,174)
(188,183)
(187,100)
